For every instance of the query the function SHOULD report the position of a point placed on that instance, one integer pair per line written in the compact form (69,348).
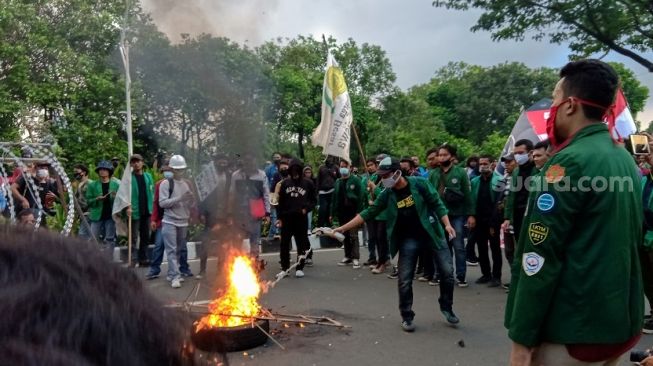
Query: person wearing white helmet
(176,198)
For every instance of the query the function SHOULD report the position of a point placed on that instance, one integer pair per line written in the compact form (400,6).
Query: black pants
(294,225)
(485,233)
(141,230)
(351,244)
(646,260)
(381,237)
(471,246)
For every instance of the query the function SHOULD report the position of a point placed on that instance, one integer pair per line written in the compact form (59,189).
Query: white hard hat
(177,162)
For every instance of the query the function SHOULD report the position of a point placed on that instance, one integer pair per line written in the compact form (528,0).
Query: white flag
(122,200)
(334,131)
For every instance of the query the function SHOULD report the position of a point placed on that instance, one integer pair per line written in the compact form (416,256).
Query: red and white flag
(624,122)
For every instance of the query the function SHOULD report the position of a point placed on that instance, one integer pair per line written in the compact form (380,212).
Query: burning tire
(231,339)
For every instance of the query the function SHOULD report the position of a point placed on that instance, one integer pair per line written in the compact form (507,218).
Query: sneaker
(356,264)
(506,286)
(408,326)
(299,273)
(434,282)
(379,269)
(200,275)
(169,279)
(345,262)
(151,276)
(423,279)
(187,274)
(450,316)
(472,263)
(308,262)
(484,279)
(394,274)
(370,263)
(648,327)
(462,283)
(176,283)
(494,283)
(419,271)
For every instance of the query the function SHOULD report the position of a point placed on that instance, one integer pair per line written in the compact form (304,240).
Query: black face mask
(78,176)
(446,164)
(405,173)
(283,172)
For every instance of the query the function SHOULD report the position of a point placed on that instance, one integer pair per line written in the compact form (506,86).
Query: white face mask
(168,175)
(521,159)
(484,169)
(42,173)
(392,180)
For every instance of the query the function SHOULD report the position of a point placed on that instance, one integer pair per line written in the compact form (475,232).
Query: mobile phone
(640,144)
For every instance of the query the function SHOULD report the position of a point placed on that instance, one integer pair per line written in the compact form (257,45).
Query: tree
(296,67)
(473,101)
(590,27)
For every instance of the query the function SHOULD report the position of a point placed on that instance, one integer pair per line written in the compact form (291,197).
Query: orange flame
(241,298)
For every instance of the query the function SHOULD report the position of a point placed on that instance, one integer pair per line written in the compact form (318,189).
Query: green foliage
(590,27)
(493,144)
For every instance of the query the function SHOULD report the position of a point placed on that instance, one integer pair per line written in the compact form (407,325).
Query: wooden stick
(129,240)
(269,336)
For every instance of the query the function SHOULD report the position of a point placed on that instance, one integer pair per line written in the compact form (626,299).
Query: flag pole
(124,51)
(353,124)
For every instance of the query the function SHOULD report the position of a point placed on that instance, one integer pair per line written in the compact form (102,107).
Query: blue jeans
(274,230)
(84,228)
(409,250)
(157,253)
(458,246)
(107,230)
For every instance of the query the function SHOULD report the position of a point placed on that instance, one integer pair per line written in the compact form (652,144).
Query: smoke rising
(240,21)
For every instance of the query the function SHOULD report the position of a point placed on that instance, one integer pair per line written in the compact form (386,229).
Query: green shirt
(430,210)
(455,179)
(93,191)
(576,276)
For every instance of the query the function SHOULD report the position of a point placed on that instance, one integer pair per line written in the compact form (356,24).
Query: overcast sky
(417,37)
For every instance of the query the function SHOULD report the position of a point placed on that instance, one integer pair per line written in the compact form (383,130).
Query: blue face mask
(344,171)
(168,175)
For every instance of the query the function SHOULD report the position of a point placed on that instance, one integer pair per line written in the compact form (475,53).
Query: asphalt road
(368,303)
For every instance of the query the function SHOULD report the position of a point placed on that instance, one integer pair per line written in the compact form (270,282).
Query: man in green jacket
(414,212)
(140,209)
(452,184)
(486,194)
(99,196)
(348,199)
(576,293)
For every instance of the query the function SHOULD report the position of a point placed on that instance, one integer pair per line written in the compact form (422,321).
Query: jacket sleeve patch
(537,232)
(532,263)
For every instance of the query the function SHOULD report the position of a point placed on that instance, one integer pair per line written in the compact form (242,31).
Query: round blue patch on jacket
(545,202)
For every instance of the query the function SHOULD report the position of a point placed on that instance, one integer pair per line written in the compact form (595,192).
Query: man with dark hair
(541,154)
(70,306)
(326,181)
(81,176)
(452,184)
(26,217)
(348,200)
(420,169)
(432,159)
(471,167)
(47,188)
(485,195)
(518,198)
(142,196)
(408,168)
(576,295)
(271,172)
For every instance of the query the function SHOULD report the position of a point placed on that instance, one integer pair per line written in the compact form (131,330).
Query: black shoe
(370,262)
(408,326)
(506,286)
(472,262)
(484,279)
(462,283)
(648,327)
(395,273)
(151,276)
(494,283)
(187,274)
(450,316)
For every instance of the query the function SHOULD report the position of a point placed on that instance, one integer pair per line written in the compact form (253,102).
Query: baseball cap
(136,157)
(388,165)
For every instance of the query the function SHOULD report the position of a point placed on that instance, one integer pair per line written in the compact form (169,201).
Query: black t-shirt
(43,189)
(106,203)
(484,206)
(408,224)
(142,195)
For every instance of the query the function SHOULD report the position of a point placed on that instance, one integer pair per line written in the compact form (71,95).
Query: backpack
(171,188)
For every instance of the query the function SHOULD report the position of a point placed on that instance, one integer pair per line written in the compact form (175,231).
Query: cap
(388,165)
(104,165)
(381,157)
(508,157)
(136,157)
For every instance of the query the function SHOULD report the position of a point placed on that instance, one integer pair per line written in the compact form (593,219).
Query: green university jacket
(576,275)
(355,191)
(93,191)
(429,209)
(456,180)
(377,191)
(149,188)
(510,199)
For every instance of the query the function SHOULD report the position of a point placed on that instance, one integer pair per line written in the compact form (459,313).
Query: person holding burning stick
(296,199)
(412,208)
